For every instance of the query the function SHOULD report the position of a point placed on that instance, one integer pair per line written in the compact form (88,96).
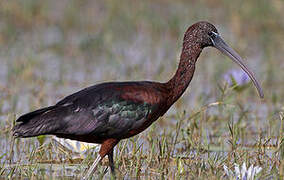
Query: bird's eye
(210,33)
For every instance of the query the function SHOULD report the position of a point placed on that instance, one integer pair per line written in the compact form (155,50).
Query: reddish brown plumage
(107,146)
(151,93)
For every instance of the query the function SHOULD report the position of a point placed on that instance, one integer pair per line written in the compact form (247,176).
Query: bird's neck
(181,79)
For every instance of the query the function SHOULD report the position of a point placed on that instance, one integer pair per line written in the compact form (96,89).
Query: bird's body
(108,112)
(95,114)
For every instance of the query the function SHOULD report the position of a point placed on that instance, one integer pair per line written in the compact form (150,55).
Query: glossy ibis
(109,112)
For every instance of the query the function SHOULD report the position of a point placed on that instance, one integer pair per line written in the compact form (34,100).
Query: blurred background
(50,49)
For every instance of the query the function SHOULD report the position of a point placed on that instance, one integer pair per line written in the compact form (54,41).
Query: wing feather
(105,110)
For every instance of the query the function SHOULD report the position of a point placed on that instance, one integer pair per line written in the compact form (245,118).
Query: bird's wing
(110,118)
(104,110)
(110,111)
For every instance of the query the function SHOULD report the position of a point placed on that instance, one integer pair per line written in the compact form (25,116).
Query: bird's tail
(33,123)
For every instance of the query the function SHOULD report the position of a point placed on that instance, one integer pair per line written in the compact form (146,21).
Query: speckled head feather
(199,34)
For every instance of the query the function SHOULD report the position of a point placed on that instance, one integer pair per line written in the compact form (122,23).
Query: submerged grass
(51,49)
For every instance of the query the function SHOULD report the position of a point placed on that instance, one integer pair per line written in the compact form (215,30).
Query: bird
(109,112)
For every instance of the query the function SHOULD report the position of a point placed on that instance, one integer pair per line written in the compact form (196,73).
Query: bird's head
(200,34)
(204,34)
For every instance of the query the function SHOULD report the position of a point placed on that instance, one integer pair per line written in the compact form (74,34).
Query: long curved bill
(219,43)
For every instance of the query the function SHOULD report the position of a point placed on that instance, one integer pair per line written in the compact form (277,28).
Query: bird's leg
(106,148)
(93,167)
(111,163)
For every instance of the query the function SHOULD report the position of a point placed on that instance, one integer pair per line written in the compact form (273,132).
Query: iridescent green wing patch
(118,117)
